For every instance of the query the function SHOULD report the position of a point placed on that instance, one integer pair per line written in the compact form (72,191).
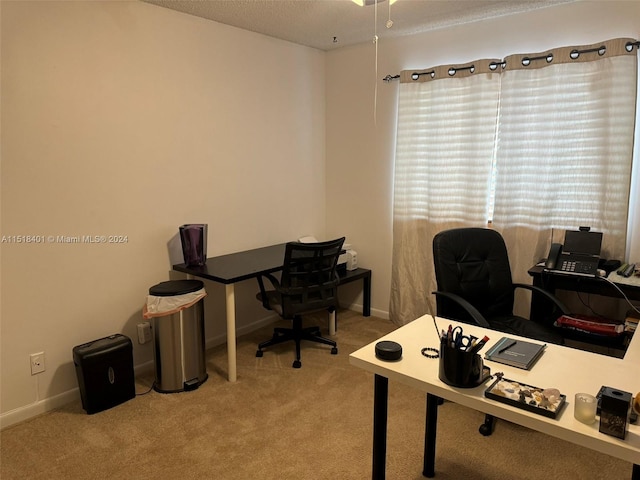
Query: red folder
(589,324)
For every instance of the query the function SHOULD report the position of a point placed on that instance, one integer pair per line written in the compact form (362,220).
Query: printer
(349,258)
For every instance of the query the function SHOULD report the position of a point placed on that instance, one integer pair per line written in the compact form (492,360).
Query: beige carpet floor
(277,422)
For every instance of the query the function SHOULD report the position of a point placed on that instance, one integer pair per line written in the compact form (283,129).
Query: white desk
(570,370)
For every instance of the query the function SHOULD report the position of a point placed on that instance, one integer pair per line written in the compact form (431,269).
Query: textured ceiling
(315,23)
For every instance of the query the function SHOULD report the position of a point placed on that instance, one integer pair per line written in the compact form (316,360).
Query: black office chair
(308,283)
(474,284)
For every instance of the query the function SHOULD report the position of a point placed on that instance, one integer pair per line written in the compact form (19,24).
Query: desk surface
(570,370)
(235,267)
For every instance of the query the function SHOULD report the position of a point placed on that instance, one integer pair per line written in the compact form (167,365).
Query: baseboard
(27,412)
(221,338)
(356,307)
(376,313)
(38,408)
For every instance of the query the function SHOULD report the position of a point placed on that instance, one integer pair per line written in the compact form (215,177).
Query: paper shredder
(104,368)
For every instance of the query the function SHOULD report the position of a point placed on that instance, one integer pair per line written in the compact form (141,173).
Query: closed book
(517,353)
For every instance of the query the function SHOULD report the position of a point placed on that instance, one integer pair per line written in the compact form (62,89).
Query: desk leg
(332,323)
(366,300)
(231,330)
(380,406)
(540,307)
(430,436)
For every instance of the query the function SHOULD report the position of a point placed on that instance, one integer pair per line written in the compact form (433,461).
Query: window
(532,144)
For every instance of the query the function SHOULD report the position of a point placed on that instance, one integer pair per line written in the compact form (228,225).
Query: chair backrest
(309,279)
(473,263)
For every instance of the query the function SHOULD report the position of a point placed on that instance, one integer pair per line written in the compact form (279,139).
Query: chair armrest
(561,306)
(263,292)
(470,309)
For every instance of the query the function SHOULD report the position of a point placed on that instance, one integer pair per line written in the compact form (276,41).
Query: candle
(585,408)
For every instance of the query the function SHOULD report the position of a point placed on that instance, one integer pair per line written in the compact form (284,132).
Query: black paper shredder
(104,368)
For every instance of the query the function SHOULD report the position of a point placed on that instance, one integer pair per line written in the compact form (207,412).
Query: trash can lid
(175,287)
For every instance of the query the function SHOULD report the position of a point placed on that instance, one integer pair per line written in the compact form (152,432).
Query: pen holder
(460,368)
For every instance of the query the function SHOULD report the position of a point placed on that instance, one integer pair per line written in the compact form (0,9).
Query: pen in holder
(460,368)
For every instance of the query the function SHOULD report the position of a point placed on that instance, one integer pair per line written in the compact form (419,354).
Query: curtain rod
(574,54)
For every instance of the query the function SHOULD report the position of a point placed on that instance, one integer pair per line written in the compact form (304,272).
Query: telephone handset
(553,257)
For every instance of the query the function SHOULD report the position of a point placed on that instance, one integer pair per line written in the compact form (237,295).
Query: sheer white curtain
(564,149)
(529,148)
(445,142)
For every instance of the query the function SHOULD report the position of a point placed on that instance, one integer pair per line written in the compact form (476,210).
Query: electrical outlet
(144,332)
(37,363)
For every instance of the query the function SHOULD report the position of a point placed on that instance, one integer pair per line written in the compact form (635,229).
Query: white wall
(127,118)
(124,118)
(360,146)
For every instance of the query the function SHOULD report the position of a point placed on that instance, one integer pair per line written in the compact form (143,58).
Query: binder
(516,353)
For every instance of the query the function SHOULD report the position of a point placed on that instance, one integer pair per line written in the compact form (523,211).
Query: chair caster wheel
(297,364)
(259,353)
(485,430)
(334,351)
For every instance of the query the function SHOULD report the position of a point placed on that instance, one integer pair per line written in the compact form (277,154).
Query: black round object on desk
(387,350)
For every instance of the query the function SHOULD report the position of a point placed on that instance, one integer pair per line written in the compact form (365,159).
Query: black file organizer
(460,368)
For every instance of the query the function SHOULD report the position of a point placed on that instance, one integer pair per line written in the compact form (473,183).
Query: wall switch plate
(144,333)
(37,363)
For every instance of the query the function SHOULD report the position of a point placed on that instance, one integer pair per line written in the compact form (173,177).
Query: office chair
(474,284)
(308,283)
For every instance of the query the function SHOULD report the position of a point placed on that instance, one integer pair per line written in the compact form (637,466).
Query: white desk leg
(231,330)
(332,323)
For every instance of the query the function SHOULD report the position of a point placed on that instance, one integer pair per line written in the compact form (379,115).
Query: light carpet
(277,422)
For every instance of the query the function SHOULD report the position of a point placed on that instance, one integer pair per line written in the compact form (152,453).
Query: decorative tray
(543,401)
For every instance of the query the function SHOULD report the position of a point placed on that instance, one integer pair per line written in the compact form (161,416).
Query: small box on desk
(104,369)
(615,406)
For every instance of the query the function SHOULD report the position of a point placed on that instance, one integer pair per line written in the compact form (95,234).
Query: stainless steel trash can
(179,346)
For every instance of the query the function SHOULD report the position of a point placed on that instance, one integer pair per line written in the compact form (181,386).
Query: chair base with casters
(486,428)
(297,334)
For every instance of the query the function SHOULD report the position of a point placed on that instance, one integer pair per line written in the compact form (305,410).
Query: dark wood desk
(541,309)
(236,267)
(551,281)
